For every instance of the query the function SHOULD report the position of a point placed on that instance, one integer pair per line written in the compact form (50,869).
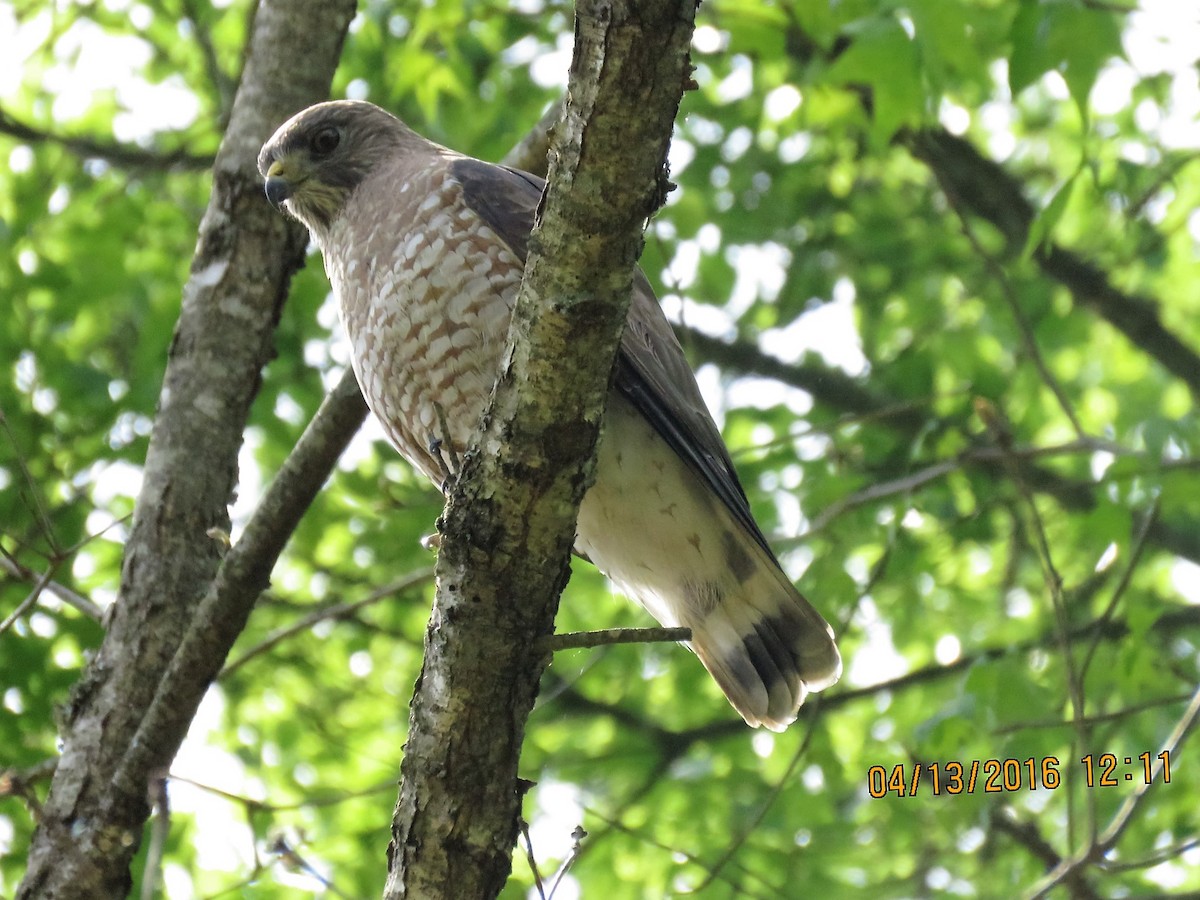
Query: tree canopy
(936,265)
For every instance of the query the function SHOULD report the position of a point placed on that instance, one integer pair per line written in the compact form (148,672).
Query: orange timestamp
(994,776)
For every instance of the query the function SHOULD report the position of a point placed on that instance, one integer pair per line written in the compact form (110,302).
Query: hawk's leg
(441,448)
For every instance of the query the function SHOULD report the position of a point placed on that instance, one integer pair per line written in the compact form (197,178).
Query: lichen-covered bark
(92,822)
(509,524)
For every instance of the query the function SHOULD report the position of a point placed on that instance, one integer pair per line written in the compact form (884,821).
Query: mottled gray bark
(93,819)
(509,524)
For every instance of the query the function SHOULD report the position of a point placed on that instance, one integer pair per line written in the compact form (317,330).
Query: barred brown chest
(426,296)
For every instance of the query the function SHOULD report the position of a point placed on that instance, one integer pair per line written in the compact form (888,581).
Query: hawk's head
(316,159)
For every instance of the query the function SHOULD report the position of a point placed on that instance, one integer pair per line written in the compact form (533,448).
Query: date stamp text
(994,776)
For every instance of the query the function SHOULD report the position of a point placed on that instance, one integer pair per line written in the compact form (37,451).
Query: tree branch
(244,574)
(532,153)
(839,391)
(123,156)
(417,578)
(985,188)
(1169,624)
(1100,845)
(828,386)
(1005,821)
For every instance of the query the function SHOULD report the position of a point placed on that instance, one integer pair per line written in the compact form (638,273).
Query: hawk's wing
(651,369)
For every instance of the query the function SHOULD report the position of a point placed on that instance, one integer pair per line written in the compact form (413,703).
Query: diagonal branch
(839,391)
(1100,845)
(581,640)
(986,189)
(1024,326)
(1170,624)
(1004,821)
(244,574)
(336,407)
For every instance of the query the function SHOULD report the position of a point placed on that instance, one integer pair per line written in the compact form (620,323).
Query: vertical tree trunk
(91,825)
(509,525)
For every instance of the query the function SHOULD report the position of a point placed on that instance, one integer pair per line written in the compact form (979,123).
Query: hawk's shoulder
(652,371)
(506,199)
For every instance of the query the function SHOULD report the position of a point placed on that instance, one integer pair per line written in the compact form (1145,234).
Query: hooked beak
(279,184)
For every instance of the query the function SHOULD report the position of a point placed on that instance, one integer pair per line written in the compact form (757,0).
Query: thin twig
(338,611)
(222,83)
(1027,834)
(38,507)
(1135,556)
(10,566)
(914,480)
(291,857)
(530,858)
(898,486)
(577,640)
(785,780)
(252,805)
(1092,720)
(577,837)
(159,832)
(573,701)
(29,601)
(124,156)
(45,583)
(989,191)
(20,782)
(772,891)
(1154,859)
(1023,325)
(1099,847)
(1125,814)
(1001,432)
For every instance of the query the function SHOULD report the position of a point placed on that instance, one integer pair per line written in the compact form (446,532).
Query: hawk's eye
(325,141)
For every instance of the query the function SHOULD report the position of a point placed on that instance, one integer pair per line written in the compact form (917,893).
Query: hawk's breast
(426,293)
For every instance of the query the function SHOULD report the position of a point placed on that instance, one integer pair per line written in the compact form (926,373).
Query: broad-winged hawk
(425,249)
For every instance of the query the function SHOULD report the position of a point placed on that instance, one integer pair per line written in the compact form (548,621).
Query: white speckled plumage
(425,250)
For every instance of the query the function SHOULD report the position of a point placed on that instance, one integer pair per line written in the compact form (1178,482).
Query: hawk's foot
(441,448)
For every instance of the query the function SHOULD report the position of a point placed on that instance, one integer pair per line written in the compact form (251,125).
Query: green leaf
(1029,59)
(1043,224)
(883,58)
(1064,36)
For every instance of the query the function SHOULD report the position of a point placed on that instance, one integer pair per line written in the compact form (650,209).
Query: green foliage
(970,418)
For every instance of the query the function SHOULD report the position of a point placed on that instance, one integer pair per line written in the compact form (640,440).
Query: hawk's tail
(766,647)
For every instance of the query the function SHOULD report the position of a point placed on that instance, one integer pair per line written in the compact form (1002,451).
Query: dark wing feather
(651,370)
